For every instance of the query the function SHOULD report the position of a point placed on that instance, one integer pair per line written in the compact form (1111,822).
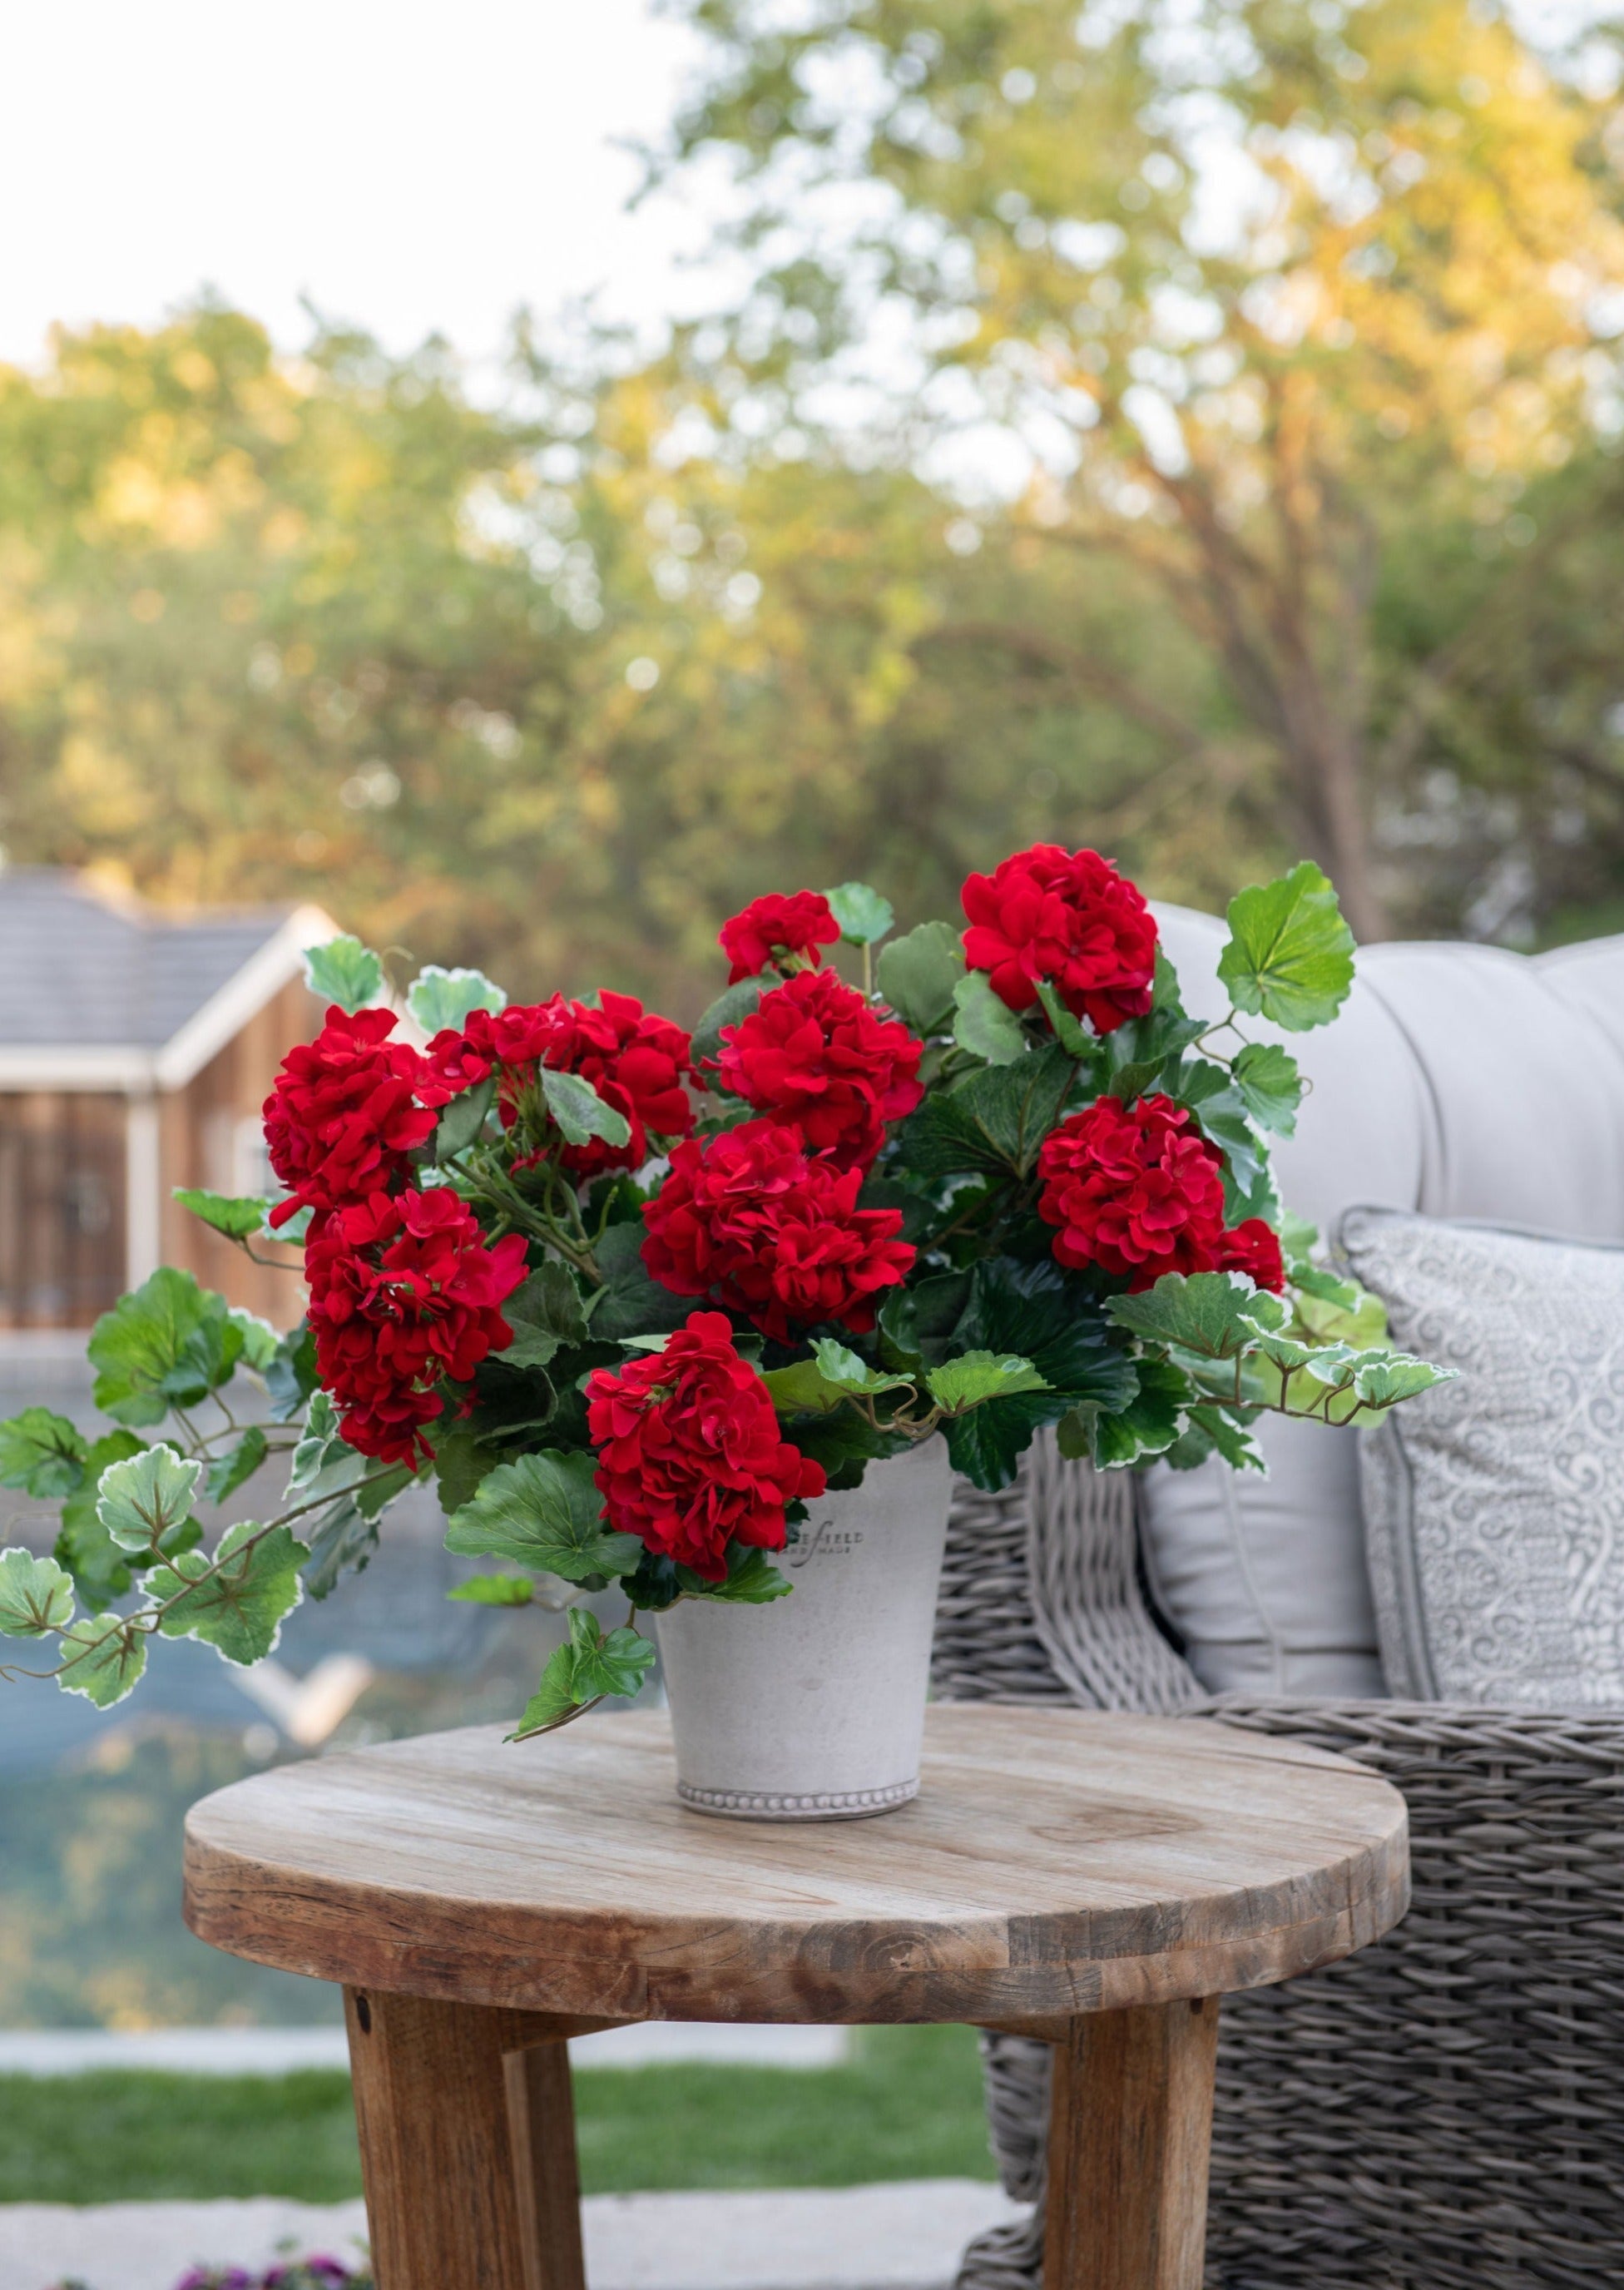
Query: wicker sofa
(1447,2110)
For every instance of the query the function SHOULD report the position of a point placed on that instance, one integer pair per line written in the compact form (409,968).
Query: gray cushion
(1265,1578)
(1494,1505)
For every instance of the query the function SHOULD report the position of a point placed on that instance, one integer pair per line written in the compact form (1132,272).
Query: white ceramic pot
(812,1708)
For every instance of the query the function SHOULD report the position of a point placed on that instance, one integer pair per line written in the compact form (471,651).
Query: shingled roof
(100,989)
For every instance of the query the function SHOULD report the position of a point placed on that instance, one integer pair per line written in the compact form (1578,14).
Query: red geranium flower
(1068,917)
(691,1456)
(636,1061)
(1136,1189)
(1139,1191)
(1253,1248)
(815,1055)
(343,1115)
(752,1220)
(770,929)
(404,1292)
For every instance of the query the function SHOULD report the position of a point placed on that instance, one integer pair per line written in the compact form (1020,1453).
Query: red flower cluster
(636,1061)
(754,1219)
(776,927)
(814,1054)
(404,1291)
(1068,917)
(343,1115)
(1139,1191)
(690,1451)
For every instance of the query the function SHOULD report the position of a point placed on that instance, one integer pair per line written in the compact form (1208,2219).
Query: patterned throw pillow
(1494,1506)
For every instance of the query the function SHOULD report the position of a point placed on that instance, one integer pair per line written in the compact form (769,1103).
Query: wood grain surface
(1130,2130)
(1056,1861)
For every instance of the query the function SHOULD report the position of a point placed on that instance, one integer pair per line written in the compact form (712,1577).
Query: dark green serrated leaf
(588,1668)
(917,974)
(632,1303)
(996,1119)
(752,1579)
(1072,1035)
(544,1511)
(238,1215)
(915,1322)
(41,1453)
(341,1541)
(987,1445)
(1289,956)
(545,1313)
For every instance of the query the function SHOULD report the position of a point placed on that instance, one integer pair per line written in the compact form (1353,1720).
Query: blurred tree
(552,689)
(1308,313)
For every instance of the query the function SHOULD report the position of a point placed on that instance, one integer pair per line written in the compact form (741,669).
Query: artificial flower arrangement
(633,1297)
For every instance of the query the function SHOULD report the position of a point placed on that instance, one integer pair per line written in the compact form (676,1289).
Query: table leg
(1129,2134)
(468,2146)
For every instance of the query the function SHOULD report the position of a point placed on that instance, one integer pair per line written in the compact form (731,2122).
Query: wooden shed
(137,1047)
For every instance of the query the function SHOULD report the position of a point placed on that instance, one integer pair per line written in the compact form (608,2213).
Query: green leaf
(1149,1424)
(580,1112)
(1216,1315)
(752,1579)
(341,1541)
(1072,1035)
(461,1460)
(238,1215)
(323,1461)
(997,1119)
(586,1667)
(83,1544)
(495,1591)
(103,1657)
(141,1502)
(1270,1086)
(463,1120)
(917,974)
(833,1375)
(168,1341)
(344,971)
(260,1341)
(1289,956)
(440,1000)
(986,1444)
(544,1511)
(545,1313)
(985,1025)
(1220,1109)
(237,1465)
(289,1375)
(863,915)
(1382,1378)
(1035,1309)
(917,1323)
(1336,1311)
(632,1303)
(1213,1429)
(975,1377)
(41,1453)
(729,1008)
(236,1602)
(36,1594)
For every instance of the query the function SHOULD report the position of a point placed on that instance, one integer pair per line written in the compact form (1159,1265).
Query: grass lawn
(908,2106)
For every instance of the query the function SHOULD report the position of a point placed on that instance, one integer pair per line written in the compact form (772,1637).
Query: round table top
(1056,1861)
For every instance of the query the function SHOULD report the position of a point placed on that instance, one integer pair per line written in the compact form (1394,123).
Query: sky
(411,165)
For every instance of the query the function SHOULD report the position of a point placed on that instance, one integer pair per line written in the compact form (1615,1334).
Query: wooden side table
(1097,1881)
